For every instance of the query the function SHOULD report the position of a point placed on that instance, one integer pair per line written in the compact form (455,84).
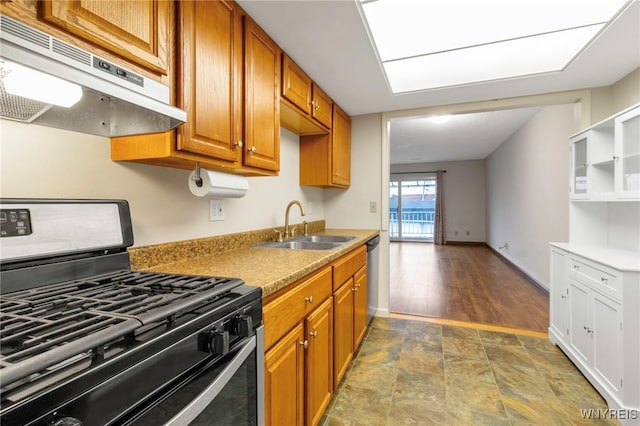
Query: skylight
(428,44)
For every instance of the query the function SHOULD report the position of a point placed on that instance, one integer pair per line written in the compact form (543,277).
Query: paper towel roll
(218,185)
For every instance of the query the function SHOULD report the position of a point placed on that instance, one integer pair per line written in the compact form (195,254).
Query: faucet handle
(305,226)
(279,235)
(293,232)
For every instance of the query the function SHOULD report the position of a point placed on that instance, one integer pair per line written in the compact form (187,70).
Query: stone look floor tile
(499,338)
(415,412)
(359,406)
(537,343)
(459,417)
(463,347)
(415,385)
(515,380)
(462,370)
(417,356)
(474,395)
(416,373)
(517,355)
(460,332)
(371,376)
(547,410)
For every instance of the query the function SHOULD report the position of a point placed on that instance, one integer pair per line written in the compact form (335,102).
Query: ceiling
(328,39)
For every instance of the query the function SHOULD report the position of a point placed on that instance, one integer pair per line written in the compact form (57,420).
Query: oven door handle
(195,407)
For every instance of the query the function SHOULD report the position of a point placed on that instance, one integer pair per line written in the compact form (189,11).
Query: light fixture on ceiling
(25,82)
(439,119)
(427,44)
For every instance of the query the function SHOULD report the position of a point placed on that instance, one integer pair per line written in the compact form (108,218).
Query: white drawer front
(598,276)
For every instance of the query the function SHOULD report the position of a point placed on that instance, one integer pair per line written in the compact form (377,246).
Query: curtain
(439,236)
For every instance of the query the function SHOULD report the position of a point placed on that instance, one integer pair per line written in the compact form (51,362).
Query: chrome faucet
(286,217)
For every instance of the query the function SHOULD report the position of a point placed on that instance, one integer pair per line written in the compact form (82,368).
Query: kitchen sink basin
(328,238)
(311,242)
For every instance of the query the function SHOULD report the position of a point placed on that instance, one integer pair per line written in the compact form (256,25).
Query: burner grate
(44,326)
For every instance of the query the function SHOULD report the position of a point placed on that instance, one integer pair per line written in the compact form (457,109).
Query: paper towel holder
(196,178)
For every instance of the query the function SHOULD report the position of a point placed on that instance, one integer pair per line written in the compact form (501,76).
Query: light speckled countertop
(269,268)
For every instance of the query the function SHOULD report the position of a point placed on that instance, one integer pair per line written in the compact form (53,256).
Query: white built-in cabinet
(606,159)
(595,317)
(595,277)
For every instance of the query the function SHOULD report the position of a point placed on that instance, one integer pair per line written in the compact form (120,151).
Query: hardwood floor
(464,283)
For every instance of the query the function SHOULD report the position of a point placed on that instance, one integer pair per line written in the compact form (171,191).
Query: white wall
(527,190)
(41,162)
(464,197)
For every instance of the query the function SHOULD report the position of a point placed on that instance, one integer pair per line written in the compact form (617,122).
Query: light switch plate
(373,207)
(216,210)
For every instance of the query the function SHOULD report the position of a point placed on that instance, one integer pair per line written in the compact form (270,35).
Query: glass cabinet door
(580,166)
(628,142)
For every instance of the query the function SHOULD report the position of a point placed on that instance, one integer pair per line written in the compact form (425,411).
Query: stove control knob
(215,342)
(244,326)
(65,421)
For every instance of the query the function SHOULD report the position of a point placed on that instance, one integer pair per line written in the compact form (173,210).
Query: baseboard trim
(519,269)
(466,243)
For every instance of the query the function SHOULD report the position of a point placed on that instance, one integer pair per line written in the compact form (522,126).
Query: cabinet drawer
(348,265)
(598,276)
(284,312)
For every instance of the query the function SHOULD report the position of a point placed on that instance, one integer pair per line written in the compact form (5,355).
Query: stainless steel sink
(311,242)
(328,238)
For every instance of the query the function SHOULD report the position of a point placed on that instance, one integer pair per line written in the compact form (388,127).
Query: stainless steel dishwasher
(372,276)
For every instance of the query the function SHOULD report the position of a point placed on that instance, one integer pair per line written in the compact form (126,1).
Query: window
(412,208)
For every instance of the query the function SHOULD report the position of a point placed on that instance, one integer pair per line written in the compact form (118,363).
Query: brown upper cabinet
(229,84)
(306,109)
(139,31)
(325,160)
(134,29)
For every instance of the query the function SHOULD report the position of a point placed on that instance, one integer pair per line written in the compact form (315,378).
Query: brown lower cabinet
(312,329)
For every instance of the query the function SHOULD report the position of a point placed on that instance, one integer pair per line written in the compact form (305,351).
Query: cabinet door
(559,296)
(262,99)
(359,307)
(627,134)
(319,361)
(322,106)
(296,85)
(607,340)
(137,30)
(580,327)
(211,65)
(342,330)
(579,166)
(341,148)
(284,380)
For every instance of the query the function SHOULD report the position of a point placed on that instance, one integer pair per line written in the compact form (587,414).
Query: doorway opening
(412,208)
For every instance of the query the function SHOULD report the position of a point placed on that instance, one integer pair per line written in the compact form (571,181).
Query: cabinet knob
(252,149)
(314,334)
(317,106)
(304,344)
(353,289)
(589,330)
(239,144)
(309,299)
(604,280)
(563,296)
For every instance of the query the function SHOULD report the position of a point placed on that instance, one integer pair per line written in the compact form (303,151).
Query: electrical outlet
(373,207)
(216,210)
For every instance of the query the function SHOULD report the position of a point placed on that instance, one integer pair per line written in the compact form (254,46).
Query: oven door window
(225,393)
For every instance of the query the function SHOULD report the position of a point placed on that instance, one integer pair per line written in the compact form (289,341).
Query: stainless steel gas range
(84,340)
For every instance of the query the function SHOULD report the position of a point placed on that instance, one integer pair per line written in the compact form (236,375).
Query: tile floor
(418,373)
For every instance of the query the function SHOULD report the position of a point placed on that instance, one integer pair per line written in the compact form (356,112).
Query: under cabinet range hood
(114,100)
